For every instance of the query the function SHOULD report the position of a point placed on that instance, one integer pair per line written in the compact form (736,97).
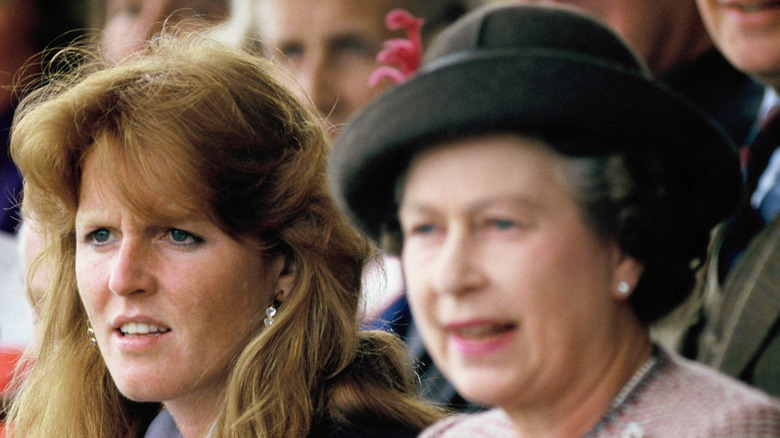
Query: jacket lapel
(751,301)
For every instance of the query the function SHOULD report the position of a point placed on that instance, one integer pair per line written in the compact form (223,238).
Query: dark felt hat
(534,70)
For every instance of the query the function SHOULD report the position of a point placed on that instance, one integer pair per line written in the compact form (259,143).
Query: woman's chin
(139,389)
(486,391)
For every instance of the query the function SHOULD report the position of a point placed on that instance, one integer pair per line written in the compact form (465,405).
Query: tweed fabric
(489,424)
(740,337)
(677,398)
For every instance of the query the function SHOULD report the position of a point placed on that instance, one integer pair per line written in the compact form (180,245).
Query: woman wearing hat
(549,201)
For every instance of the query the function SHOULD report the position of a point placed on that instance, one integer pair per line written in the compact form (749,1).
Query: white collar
(770,99)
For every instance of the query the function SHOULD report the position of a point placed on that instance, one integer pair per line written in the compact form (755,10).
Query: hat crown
(548,72)
(527,28)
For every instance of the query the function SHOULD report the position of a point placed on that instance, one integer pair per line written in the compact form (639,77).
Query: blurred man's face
(748,34)
(329,47)
(130,23)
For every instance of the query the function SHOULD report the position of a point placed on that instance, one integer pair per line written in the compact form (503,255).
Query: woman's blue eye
(183,237)
(179,235)
(503,224)
(424,229)
(100,236)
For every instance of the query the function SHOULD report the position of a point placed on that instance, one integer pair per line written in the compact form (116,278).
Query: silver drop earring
(624,288)
(270,312)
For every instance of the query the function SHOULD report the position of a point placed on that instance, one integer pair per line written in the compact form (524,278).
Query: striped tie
(755,157)
(749,221)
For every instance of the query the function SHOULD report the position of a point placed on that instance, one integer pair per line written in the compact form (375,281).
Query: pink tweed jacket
(676,398)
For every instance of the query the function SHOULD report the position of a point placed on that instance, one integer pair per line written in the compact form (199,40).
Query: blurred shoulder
(711,387)
(492,423)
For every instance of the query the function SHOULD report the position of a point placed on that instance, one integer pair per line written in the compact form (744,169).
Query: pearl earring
(270,312)
(624,288)
(91,333)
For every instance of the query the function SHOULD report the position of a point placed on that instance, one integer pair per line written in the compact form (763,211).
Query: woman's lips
(474,339)
(142,329)
(136,343)
(481,330)
(136,334)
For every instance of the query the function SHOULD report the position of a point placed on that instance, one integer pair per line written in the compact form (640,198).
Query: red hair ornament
(404,54)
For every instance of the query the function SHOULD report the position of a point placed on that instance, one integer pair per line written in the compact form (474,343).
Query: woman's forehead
(150,187)
(496,166)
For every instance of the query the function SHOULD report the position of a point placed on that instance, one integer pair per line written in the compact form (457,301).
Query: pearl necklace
(635,379)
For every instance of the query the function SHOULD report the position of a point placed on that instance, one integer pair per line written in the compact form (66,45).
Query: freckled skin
(199,282)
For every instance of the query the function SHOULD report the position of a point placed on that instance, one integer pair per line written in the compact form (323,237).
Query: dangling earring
(270,312)
(91,333)
(624,288)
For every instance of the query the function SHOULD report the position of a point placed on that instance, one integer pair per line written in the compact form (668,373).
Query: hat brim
(533,92)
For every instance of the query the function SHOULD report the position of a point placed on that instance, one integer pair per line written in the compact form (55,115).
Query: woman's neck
(193,419)
(591,396)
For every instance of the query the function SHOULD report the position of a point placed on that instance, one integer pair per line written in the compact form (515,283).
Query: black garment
(729,96)
(333,429)
(10,179)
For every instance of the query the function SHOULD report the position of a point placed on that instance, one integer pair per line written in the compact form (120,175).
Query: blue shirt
(163,426)
(770,178)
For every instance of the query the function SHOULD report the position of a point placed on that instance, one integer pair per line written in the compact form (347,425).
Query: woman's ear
(628,270)
(287,275)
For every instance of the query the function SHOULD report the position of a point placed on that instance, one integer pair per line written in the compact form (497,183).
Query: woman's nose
(456,267)
(131,270)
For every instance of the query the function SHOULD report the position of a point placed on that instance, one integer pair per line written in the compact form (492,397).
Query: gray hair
(623,198)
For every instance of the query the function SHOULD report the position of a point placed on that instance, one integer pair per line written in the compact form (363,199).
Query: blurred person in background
(739,330)
(330,46)
(126,25)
